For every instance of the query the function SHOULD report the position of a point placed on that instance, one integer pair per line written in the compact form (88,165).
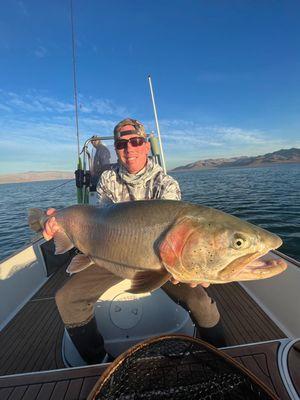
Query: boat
(38,360)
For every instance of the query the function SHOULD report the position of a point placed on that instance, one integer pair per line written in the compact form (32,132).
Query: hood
(139,179)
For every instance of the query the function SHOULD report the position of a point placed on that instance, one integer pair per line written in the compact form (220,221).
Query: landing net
(177,368)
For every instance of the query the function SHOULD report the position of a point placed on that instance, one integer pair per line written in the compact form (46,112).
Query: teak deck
(77,383)
(32,340)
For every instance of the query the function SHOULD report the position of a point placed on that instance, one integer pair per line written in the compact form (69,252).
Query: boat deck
(77,383)
(32,339)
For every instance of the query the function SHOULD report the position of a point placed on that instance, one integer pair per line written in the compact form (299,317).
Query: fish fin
(170,249)
(62,242)
(79,263)
(34,219)
(147,281)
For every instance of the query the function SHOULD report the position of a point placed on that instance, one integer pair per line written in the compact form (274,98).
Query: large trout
(151,241)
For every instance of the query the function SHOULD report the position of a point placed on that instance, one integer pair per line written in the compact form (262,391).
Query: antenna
(157,126)
(74,77)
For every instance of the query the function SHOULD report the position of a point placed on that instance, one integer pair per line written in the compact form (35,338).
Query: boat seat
(125,319)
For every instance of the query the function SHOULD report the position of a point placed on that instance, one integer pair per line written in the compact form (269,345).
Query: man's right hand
(192,285)
(51,226)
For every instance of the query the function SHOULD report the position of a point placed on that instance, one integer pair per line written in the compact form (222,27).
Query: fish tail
(36,219)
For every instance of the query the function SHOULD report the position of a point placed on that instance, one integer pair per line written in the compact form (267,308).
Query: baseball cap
(133,125)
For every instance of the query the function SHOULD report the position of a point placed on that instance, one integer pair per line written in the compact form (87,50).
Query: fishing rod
(74,77)
(80,173)
(157,126)
(62,184)
(56,187)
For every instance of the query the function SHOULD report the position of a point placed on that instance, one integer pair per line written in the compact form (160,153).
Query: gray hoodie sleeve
(104,192)
(167,188)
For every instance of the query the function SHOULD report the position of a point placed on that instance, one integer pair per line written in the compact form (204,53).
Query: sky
(226,77)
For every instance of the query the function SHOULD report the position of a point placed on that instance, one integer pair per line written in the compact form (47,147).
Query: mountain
(277,157)
(33,176)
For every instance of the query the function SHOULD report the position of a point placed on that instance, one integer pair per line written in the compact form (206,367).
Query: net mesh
(176,368)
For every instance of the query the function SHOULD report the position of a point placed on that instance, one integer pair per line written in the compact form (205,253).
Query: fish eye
(239,242)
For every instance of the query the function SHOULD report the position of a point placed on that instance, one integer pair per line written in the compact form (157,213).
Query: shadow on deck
(32,340)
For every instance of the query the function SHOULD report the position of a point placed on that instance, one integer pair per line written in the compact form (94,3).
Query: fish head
(219,248)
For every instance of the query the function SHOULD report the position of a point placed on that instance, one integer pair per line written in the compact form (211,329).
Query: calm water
(267,196)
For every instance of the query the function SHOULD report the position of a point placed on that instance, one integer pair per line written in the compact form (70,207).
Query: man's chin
(133,167)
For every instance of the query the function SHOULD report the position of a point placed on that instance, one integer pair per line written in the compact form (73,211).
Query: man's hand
(51,226)
(192,285)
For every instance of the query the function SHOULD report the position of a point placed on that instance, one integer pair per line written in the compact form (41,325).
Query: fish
(152,241)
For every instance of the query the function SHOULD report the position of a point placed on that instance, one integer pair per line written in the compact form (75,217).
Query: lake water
(266,196)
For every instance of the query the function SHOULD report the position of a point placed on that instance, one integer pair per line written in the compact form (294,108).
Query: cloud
(50,144)
(3,107)
(234,134)
(100,106)
(195,134)
(40,52)
(187,141)
(95,49)
(39,103)
(22,8)
(39,130)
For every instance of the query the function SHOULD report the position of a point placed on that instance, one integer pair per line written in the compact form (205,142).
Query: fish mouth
(252,267)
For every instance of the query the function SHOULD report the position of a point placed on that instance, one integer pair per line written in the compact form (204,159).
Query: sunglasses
(123,143)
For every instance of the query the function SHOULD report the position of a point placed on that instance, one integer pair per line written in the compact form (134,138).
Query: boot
(214,335)
(88,342)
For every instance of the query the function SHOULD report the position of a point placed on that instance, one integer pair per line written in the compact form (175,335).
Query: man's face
(96,143)
(133,158)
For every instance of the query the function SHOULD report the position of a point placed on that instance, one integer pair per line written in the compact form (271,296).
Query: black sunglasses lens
(121,144)
(135,142)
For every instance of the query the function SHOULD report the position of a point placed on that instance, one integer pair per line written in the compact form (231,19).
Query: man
(135,177)
(100,161)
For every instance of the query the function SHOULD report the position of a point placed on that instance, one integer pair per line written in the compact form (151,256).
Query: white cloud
(195,134)
(39,103)
(3,107)
(40,129)
(40,52)
(95,49)
(22,8)
(187,141)
(233,134)
(100,106)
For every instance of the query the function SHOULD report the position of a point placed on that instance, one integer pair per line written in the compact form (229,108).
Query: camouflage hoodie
(117,185)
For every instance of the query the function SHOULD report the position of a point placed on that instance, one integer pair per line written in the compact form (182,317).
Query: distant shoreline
(25,177)
(42,180)
(283,156)
(48,176)
(177,169)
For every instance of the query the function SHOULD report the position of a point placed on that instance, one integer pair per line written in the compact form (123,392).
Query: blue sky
(226,76)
